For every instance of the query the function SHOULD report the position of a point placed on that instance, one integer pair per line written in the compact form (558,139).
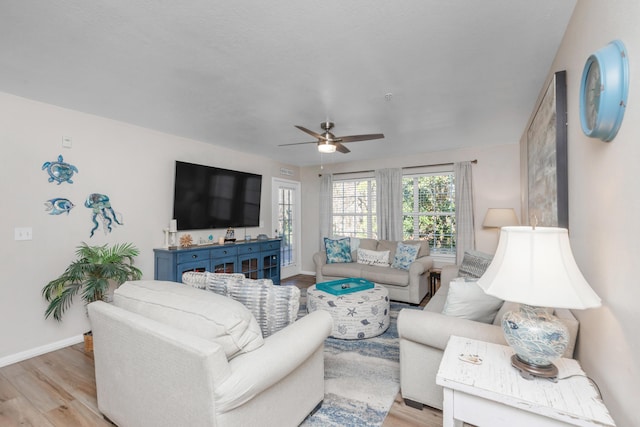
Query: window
(354,208)
(428,209)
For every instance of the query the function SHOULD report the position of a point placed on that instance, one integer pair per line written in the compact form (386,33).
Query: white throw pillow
(467,300)
(378,258)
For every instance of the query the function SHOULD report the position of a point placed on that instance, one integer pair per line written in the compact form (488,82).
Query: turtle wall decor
(60,171)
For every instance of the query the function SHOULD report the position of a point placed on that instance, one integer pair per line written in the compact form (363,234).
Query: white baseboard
(28,354)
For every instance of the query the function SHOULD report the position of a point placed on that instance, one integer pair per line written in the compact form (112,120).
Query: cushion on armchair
(204,314)
(469,301)
(474,264)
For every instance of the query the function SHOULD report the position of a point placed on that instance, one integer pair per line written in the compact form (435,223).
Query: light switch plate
(23,233)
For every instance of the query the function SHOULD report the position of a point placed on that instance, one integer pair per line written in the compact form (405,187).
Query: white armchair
(170,355)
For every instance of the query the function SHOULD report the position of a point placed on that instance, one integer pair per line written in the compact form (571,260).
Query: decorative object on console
(500,217)
(603,91)
(534,266)
(547,157)
(60,171)
(186,241)
(58,205)
(230,236)
(101,207)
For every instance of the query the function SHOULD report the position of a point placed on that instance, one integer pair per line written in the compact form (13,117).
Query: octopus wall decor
(101,209)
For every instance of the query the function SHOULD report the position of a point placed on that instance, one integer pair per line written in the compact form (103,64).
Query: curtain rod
(408,167)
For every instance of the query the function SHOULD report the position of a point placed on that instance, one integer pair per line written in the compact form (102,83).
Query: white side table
(494,394)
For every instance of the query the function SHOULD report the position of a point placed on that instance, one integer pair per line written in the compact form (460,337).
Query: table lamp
(500,217)
(534,266)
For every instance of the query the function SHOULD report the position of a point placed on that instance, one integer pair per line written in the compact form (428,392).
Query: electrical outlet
(23,233)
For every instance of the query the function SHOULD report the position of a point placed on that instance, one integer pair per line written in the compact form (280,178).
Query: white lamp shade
(536,267)
(500,217)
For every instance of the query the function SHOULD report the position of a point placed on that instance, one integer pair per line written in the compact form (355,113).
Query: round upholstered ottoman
(357,315)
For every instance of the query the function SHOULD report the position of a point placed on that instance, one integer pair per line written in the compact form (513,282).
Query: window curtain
(389,203)
(465,234)
(326,207)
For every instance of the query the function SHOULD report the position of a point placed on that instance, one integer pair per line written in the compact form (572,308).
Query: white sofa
(424,335)
(403,285)
(167,354)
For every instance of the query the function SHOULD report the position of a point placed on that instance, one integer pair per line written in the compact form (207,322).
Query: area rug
(362,377)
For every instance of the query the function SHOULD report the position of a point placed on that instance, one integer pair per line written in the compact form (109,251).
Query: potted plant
(91,274)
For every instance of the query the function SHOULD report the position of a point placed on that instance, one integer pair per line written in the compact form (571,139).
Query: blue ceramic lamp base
(538,338)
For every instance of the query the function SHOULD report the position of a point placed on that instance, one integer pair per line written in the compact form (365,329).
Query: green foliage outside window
(354,208)
(429,211)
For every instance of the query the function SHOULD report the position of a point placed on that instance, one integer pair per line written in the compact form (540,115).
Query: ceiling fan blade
(341,148)
(310,132)
(298,143)
(354,138)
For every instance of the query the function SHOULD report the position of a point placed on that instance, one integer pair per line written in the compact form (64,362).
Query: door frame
(276,183)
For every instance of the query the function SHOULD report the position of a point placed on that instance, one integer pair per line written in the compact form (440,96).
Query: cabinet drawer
(270,245)
(224,251)
(189,256)
(249,249)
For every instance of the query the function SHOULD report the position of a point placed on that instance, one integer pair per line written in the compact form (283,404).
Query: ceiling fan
(329,143)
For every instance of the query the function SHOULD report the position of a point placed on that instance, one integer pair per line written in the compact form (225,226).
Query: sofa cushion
(405,255)
(345,269)
(388,245)
(474,264)
(385,275)
(204,314)
(467,300)
(338,250)
(367,257)
(369,244)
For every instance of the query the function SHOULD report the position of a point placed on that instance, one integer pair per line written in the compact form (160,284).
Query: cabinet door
(249,265)
(202,265)
(271,266)
(224,265)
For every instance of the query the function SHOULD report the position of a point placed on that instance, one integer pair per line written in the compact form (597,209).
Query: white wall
(132,165)
(604,207)
(495,179)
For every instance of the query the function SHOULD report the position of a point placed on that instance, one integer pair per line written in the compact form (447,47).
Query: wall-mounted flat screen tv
(207,197)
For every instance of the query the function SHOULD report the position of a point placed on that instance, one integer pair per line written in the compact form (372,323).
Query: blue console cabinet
(256,259)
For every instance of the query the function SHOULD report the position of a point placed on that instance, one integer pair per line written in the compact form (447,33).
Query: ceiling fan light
(326,147)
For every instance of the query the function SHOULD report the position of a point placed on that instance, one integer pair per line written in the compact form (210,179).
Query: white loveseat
(424,335)
(167,354)
(409,285)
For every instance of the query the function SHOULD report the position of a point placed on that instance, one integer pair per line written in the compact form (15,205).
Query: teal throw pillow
(405,255)
(338,250)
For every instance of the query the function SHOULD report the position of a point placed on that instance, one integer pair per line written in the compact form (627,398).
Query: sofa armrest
(420,265)
(132,354)
(435,329)
(257,370)
(448,273)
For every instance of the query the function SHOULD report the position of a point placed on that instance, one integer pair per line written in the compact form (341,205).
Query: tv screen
(207,197)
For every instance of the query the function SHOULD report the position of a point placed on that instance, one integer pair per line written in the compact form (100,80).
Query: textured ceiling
(242,73)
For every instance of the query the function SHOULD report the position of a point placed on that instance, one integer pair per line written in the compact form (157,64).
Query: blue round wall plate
(603,91)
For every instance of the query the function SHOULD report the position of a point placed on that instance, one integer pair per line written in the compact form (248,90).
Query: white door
(286,211)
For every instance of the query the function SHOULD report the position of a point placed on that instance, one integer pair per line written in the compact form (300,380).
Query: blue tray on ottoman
(344,286)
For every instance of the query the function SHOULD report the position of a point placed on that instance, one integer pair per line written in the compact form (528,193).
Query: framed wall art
(546,151)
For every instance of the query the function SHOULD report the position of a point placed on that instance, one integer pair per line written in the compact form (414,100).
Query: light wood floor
(58,389)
